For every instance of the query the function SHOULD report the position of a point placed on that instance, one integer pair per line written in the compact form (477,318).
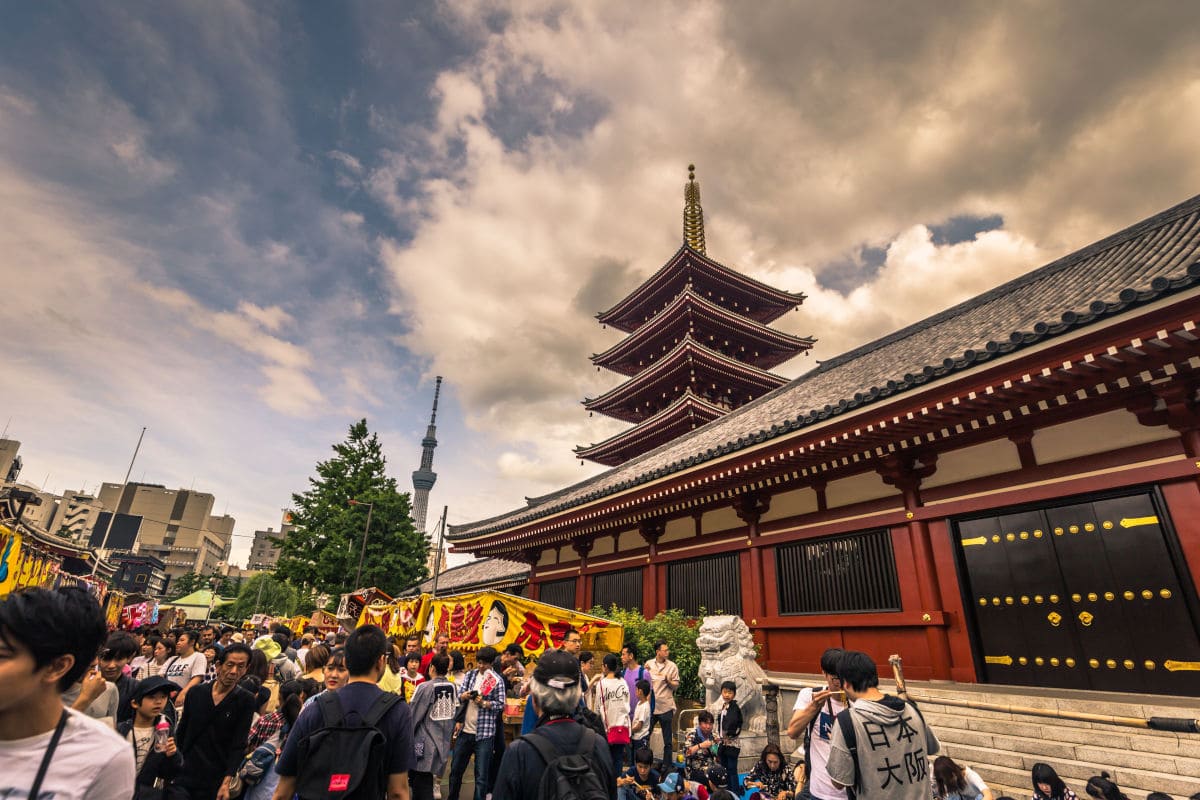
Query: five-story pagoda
(699,346)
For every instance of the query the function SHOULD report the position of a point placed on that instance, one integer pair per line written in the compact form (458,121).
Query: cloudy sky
(246,225)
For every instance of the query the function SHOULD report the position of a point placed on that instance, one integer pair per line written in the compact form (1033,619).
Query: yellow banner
(21,566)
(478,619)
(397,617)
(498,619)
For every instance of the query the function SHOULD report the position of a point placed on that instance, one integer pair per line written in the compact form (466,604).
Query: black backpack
(569,776)
(345,760)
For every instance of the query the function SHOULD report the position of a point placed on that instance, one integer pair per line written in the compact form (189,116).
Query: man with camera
(481,699)
(812,720)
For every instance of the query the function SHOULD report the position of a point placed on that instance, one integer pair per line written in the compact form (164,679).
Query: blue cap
(671,784)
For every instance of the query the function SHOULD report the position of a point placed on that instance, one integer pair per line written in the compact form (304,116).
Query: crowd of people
(212,713)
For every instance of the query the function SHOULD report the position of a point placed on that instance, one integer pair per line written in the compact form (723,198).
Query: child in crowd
(771,778)
(155,768)
(639,731)
(411,676)
(729,727)
(640,782)
(699,748)
(1102,787)
(954,782)
(1048,786)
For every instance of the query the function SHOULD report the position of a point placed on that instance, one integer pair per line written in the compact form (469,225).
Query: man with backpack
(354,743)
(812,722)
(881,744)
(560,758)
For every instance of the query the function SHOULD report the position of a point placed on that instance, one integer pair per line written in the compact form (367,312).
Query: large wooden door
(1081,595)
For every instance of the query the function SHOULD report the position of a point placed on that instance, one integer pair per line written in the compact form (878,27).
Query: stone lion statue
(727,653)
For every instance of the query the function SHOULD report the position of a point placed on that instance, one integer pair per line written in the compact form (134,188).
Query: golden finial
(693,214)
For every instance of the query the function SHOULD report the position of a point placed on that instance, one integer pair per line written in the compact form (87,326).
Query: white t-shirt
(614,694)
(181,669)
(142,740)
(91,763)
(641,714)
(819,747)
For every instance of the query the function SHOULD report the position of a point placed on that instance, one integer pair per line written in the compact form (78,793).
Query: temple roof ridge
(687,346)
(783,300)
(682,300)
(688,400)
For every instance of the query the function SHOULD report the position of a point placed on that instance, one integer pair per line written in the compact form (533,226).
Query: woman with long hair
(770,777)
(1102,787)
(612,702)
(952,781)
(1048,786)
(164,651)
(272,729)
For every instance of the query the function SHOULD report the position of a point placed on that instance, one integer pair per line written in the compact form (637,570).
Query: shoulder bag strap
(379,708)
(41,773)
(545,748)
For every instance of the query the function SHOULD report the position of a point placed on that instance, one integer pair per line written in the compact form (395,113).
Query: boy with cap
(554,692)
(155,768)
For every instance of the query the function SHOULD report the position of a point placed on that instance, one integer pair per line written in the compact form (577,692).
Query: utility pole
(112,515)
(437,561)
(363,552)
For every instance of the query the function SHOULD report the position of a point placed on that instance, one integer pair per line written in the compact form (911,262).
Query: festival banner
(398,617)
(22,565)
(499,619)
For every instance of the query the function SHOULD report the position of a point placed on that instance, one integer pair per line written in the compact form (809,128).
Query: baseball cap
(718,776)
(671,784)
(557,669)
(155,683)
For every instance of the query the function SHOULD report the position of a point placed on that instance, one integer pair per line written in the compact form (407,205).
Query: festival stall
(497,619)
(138,615)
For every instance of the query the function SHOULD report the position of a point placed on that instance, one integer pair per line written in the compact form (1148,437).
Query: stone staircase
(1003,746)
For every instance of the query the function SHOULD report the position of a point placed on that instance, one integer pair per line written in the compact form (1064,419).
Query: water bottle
(162,732)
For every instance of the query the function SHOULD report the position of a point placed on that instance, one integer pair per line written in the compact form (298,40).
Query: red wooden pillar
(582,547)
(653,577)
(750,508)
(906,474)
(531,557)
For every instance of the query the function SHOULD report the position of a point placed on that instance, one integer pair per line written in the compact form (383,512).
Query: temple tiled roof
(1152,259)
(486,573)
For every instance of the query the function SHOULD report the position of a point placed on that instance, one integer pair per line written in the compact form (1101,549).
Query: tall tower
(699,346)
(425,477)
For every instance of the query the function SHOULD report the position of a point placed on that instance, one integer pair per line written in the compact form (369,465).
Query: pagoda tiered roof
(705,277)
(716,327)
(690,365)
(687,413)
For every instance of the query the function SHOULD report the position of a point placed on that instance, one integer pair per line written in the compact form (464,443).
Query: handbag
(617,734)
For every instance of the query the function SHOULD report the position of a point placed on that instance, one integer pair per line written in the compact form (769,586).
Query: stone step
(1053,741)
(932,704)
(1010,769)
(1169,744)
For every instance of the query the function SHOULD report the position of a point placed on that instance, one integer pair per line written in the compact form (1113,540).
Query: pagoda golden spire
(693,214)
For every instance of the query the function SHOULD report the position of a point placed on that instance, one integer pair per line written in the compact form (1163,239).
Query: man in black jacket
(554,691)
(214,726)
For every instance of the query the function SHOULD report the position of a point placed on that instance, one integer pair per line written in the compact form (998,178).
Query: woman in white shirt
(187,668)
(611,695)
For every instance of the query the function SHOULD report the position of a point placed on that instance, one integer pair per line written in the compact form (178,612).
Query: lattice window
(622,588)
(838,575)
(713,583)
(558,593)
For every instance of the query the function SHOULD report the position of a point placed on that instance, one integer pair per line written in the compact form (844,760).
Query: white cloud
(817,131)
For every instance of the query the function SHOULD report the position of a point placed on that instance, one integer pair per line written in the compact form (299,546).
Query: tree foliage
(193,581)
(264,594)
(321,552)
(679,632)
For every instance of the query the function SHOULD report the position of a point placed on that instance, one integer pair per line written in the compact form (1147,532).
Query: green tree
(679,632)
(186,584)
(321,552)
(264,594)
